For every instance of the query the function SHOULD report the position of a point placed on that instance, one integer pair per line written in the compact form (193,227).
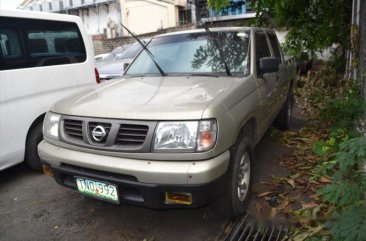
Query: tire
(35,136)
(230,203)
(283,119)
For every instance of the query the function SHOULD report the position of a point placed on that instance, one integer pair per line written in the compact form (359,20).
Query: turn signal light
(206,135)
(47,171)
(178,198)
(207,139)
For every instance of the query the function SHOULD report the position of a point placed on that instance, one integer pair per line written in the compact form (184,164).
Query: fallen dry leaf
(295,176)
(267,183)
(309,205)
(310,232)
(264,194)
(291,182)
(325,180)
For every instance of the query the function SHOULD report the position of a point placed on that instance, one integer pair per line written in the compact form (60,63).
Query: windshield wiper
(210,35)
(146,49)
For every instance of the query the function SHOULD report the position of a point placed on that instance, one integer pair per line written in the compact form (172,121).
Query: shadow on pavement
(18,171)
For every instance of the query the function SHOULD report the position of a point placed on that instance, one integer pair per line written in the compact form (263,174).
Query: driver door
(267,83)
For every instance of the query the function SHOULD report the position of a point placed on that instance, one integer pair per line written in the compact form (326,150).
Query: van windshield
(195,53)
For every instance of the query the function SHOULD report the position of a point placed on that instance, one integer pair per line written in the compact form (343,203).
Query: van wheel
(35,136)
(235,198)
(283,119)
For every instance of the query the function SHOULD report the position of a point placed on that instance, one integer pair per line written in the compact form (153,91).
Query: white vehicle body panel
(28,93)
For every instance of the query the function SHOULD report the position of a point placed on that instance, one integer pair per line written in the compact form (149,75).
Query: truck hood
(147,98)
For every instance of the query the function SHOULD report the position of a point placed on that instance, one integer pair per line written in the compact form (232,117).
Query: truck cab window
(261,47)
(274,43)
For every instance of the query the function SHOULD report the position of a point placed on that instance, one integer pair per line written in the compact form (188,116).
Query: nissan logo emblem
(99,133)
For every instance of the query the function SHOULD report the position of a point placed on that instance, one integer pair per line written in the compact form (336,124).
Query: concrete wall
(144,16)
(107,45)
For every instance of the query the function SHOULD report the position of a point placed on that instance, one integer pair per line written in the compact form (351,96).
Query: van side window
(10,44)
(44,42)
(274,43)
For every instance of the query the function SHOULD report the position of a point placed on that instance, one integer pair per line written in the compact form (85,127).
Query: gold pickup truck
(178,130)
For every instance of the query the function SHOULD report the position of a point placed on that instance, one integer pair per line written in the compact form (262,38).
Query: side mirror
(268,65)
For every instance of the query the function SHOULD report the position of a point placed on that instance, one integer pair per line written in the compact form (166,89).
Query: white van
(43,57)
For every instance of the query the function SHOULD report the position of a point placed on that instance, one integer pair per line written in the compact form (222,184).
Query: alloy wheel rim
(244,177)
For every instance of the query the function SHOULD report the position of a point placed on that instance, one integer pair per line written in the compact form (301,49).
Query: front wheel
(35,136)
(235,198)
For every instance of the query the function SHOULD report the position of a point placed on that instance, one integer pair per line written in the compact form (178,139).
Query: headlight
(51,125)
(185,136)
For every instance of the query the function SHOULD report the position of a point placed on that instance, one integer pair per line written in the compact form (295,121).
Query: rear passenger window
(274,43)
(10,43)
(43,43)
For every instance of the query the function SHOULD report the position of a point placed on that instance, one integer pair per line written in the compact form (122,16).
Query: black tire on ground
(283,119)
(35,136)
(228,203)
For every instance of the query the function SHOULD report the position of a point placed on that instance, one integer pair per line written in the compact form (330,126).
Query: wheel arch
(249,130)
(38,120)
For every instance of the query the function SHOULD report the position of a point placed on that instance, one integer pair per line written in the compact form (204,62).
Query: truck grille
(93,125)
(131,135)
(112,134)
(73,128)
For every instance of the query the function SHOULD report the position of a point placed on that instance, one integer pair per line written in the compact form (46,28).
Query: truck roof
(216,29)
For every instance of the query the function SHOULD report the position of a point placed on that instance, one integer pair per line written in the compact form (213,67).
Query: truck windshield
(195,54)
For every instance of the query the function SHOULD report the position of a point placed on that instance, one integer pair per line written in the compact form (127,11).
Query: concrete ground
(34,207)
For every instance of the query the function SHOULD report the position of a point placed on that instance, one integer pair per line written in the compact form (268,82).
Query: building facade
(104,17)
(142,16)
(236,10)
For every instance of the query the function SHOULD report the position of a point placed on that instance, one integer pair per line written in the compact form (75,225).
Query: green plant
(343,160)
(348,181)
(344,112)
(312,25)
(344,154)
(325,148)
(349,225)
(313,239)
(217,4)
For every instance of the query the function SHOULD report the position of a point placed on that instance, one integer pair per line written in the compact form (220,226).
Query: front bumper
(141,194)
(140,182)
(145,171)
